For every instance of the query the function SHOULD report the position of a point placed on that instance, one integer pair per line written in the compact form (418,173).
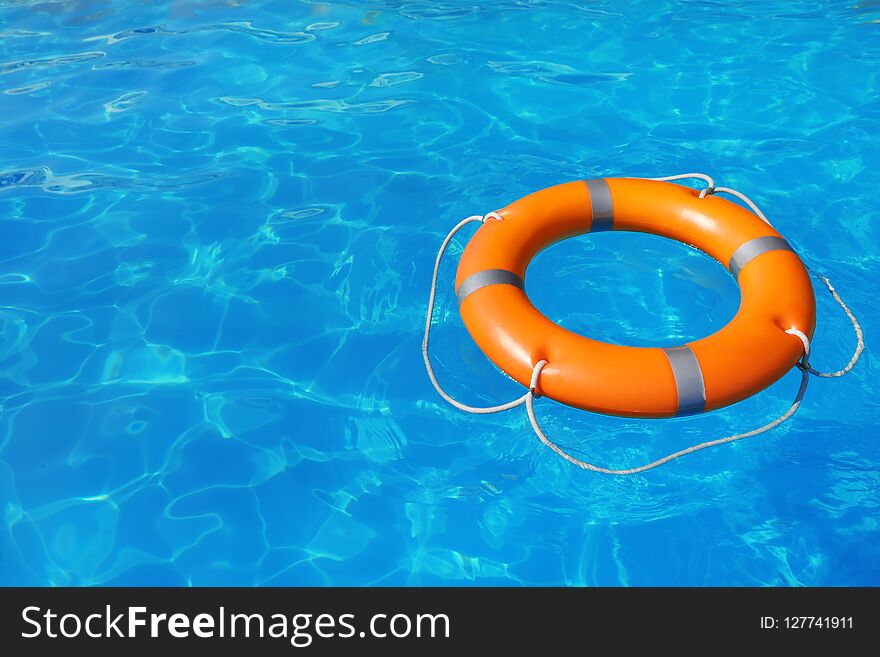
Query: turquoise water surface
(219,220)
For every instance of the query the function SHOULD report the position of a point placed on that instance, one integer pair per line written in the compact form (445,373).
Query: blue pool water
(218,221)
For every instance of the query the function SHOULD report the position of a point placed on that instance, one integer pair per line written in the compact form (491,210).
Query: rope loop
(586,465)
(536,372)
(804,363)
(430,317)
(710,184)
(857,329)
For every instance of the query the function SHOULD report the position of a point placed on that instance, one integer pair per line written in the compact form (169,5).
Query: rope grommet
(492,215)
(708,191)
(536,372)
(800,335)
(428,319)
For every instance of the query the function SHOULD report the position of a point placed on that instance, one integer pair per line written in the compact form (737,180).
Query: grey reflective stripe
(688,380)
(753,248)
(487,277)
(600,200)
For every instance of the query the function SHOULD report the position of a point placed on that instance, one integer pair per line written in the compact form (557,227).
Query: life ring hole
(633,289)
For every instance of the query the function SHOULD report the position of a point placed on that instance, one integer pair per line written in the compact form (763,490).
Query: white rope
(529,397)
(745,199)
(430,313)
(584,465)
(806,341)
(712,189)
(857,329)
(683,176)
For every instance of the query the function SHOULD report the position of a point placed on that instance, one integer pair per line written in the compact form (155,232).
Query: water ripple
(144,63)
(138,32)
(373,38)
(85,182)
(393,79)
(125,102)
(322,105)
(8,34)
(443,11)
(554,73)
(316,27)
(241,27)
(36,86)
(49,62)
(270,36)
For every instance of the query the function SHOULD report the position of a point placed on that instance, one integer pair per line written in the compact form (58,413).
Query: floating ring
(750,353)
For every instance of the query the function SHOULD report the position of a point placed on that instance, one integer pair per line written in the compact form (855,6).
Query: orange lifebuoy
(744,357)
